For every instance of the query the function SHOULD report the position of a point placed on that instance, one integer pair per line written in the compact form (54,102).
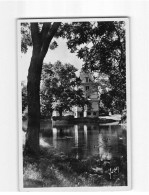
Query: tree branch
(45,29)
(121,48)
(48,34)
(35,34)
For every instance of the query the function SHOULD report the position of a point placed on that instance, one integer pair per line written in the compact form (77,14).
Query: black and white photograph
(74,103)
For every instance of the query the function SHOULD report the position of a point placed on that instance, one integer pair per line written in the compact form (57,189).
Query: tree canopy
(61,87)
(102,47)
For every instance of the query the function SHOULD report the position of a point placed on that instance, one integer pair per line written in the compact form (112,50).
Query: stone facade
(90,89)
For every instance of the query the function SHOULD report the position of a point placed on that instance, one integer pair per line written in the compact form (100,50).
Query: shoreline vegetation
(58,121)
(69,120)
(72,120)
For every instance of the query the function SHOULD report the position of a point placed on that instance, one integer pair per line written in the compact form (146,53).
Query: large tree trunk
(33,90)
(41,41)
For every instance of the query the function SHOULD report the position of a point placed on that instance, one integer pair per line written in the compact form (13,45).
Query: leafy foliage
(24,96)
(101,46)
(25,37)
(60,87)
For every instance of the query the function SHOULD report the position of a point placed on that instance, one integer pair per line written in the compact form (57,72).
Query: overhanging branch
(48,35)
(35,34)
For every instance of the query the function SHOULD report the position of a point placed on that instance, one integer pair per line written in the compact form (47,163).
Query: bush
(103,112)
(124,117)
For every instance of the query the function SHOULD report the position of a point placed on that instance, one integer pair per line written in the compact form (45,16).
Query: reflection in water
(110,129)
(100,145)
(76,135)
(76,140)
(83,141)
(104,146)
(90,143)
(100,150)
(85,135)
(54,137)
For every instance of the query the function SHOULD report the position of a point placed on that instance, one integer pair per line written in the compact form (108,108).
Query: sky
(61,53)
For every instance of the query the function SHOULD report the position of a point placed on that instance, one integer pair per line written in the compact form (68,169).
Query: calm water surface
(85,140)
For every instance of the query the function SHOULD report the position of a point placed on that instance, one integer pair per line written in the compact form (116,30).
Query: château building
(90,89)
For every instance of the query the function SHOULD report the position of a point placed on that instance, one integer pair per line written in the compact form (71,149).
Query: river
(82,141)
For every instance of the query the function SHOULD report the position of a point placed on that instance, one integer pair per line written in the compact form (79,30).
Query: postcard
(74,104)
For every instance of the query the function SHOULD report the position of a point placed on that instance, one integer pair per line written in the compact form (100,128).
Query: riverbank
(63,121)
(115,117)
(85,120)
(53,169)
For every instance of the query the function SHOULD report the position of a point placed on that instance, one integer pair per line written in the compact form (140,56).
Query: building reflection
(83,141)
(85,136)
(54,131)
(105,144)
(76,135)
(76,140)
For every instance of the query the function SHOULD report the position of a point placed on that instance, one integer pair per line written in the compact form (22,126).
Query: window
(87,87)
(87,79)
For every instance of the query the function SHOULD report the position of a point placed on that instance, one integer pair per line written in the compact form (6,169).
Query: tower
(90,89)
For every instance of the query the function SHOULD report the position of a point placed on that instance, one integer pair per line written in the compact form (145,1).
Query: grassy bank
(54,169)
